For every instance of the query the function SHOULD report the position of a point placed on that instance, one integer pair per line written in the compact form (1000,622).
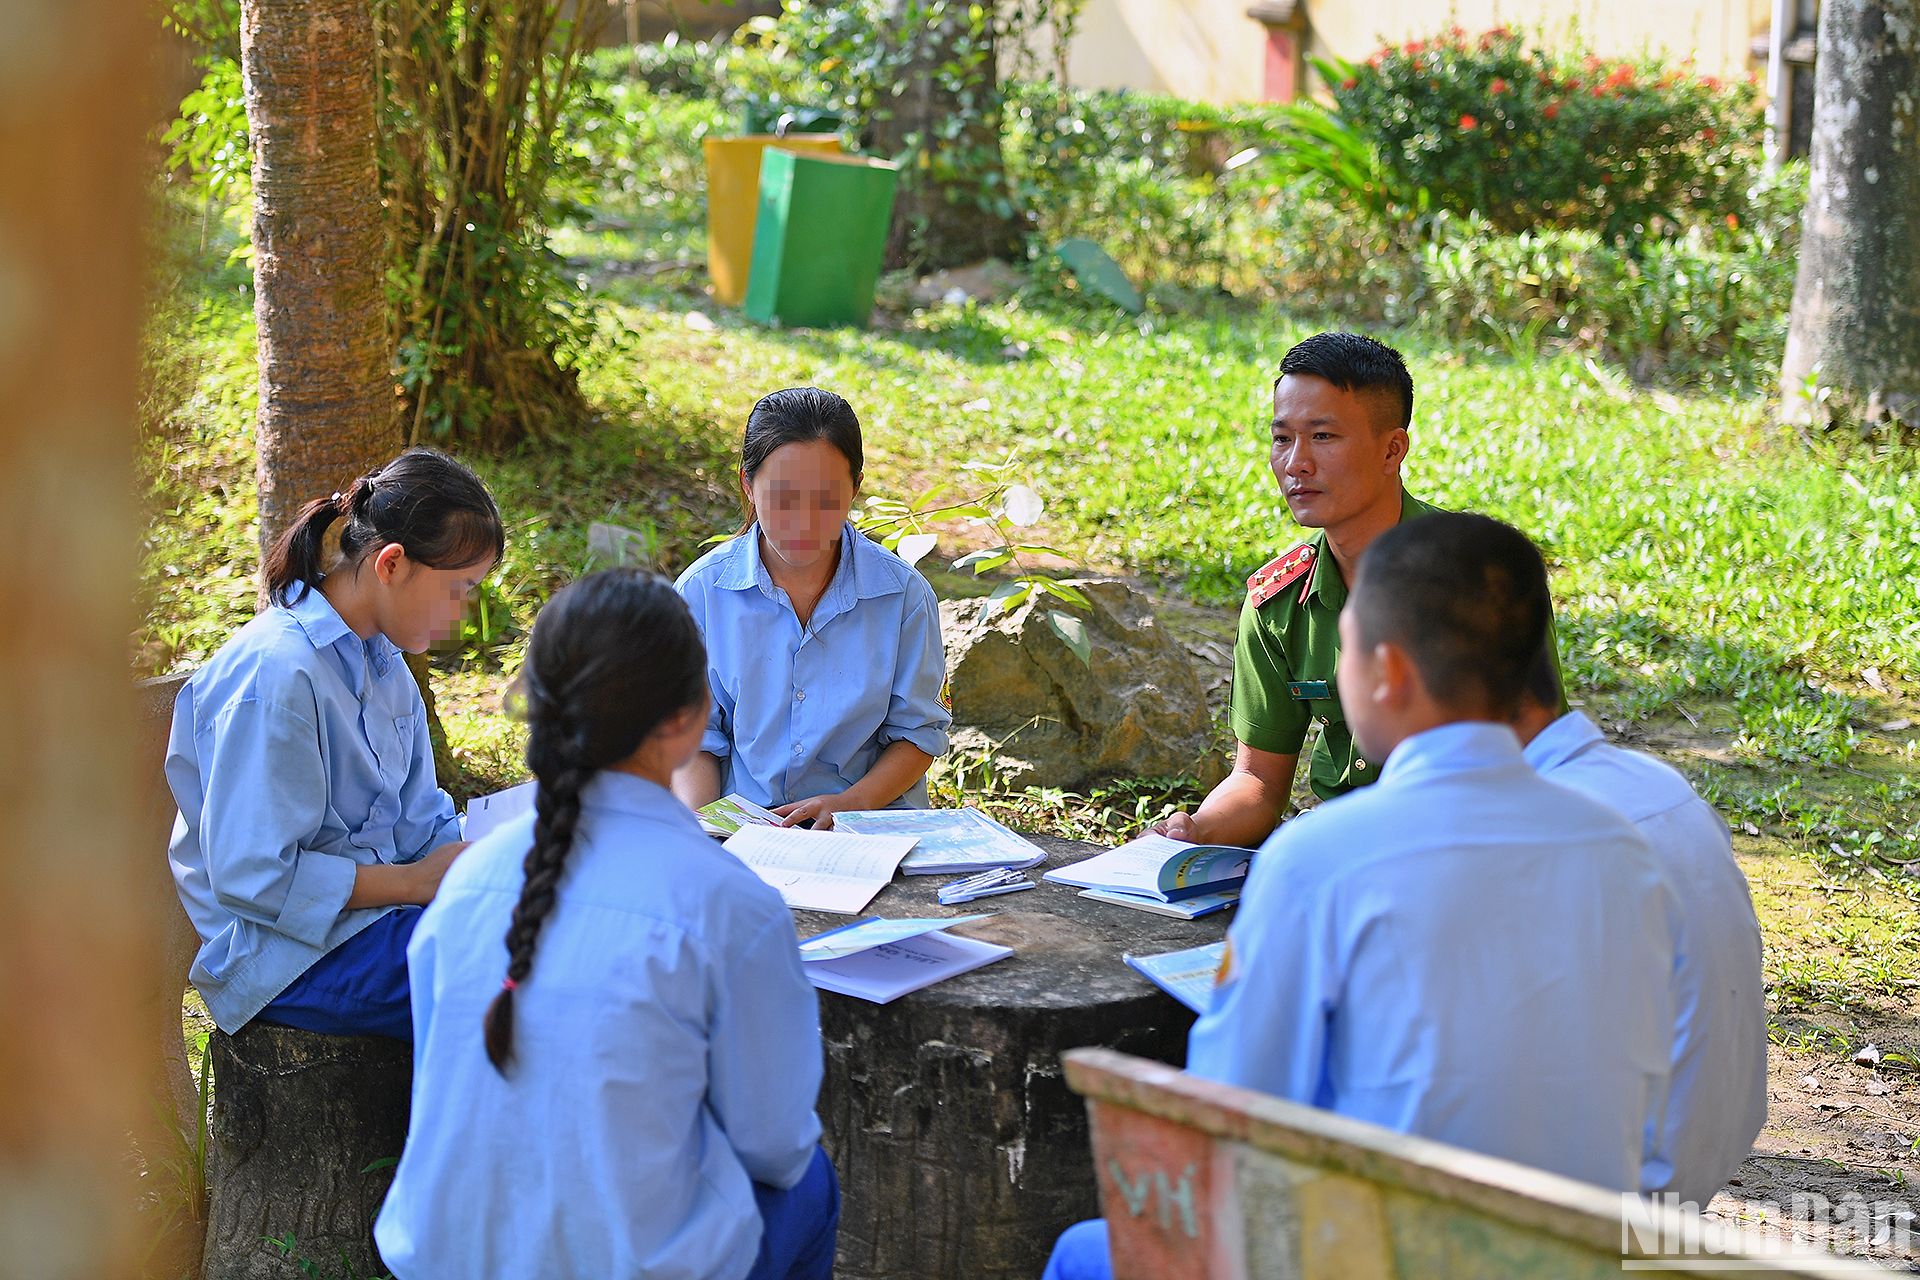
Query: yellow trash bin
(733,201)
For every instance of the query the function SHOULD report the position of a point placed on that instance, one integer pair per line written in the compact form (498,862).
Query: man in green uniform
(1341,408)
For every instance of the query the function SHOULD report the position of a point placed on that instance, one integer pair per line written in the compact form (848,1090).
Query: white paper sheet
(950,840)
(486,813)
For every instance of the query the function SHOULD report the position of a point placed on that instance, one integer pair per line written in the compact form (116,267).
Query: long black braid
(611,658)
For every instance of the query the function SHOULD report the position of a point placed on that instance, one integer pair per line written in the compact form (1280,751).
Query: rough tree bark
(73,938)
(305,1129)
(327,409)
(1856,303)
(952,204)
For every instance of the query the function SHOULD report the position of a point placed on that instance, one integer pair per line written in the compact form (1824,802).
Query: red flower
(1708,135)
(1622,75)
(1712,82)
(1349,83)
(1733,222)
(1379,56)
(1412,47)
(1498,86)
(1553,109)
(1469,122)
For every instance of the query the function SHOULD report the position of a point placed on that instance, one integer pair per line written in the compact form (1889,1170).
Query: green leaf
(985,559)
(1073,634)
(1060,590)
(1007,596)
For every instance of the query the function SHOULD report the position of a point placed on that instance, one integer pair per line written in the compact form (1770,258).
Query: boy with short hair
(1464,950)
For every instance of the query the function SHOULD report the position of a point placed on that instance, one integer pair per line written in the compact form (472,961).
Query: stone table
(960,1149)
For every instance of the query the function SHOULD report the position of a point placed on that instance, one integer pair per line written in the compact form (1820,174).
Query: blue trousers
(799,1227)
(1081,1253)
(359,988)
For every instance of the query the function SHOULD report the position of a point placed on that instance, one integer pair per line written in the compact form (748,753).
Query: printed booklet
(1154,866)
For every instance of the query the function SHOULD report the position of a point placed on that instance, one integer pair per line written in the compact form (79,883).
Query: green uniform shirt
(1284,664)
(1283,670)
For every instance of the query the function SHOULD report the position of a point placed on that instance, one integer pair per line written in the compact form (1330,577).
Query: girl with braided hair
(628,1090)
(823,647)
(311,824)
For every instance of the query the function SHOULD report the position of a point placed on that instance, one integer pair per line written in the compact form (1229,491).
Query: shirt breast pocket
(396,753)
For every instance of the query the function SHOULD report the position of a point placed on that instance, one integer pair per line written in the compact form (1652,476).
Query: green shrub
(1526,139)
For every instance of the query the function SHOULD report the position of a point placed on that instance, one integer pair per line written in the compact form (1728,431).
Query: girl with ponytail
(618,1053)
(311,824)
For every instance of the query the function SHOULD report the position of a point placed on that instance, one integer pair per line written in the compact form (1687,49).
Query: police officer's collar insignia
(1273,577)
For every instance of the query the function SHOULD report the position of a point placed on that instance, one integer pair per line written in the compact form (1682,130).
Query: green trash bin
(757,116)
(818,238)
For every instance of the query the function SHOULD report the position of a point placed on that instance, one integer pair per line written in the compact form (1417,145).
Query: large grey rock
(1136,708)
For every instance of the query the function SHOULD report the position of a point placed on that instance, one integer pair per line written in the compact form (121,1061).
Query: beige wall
(1210,49)
(1204,49)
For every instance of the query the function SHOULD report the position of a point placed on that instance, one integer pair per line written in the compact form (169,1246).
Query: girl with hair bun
(311,825)
(823,648)
(617,1052)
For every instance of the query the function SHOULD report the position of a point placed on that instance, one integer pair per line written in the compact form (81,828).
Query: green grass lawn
(1729,595)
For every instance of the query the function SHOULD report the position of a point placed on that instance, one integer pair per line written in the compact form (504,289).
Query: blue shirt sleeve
(763,1056)
(265,797)
(914,711)
(1271,1020)
(718,738)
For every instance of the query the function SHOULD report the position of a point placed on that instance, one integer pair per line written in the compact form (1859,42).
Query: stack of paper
(729,813)
(820,870)
(1188,976)
(1161,869)
(949,840)
(1204,904)
(485,813)
(882,960)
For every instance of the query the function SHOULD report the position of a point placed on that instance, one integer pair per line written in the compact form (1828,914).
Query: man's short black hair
(1543,681)
(1353,362)
(1466,598)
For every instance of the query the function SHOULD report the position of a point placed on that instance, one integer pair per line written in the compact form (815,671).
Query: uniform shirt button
(1360,764)
(799,695)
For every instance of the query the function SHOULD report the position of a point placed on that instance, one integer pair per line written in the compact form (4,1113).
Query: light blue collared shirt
(1718,1102)
(666,1057)
(801,712)
(299,753)
(1463,951)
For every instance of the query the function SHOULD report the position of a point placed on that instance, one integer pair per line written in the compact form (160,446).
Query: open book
(1188,976)
(864,935)
(890,970)
(731,812)
(948,840)
(1154,866)
(820,870)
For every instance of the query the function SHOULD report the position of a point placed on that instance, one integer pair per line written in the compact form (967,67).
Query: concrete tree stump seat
(297,1119)
(961,1150)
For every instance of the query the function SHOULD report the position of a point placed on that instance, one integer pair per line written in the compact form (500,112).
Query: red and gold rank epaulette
(1273,577)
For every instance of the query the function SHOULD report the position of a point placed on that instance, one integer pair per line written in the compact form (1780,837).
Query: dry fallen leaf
(1810,1083)
(1897,726)
(1750,829)
(1878,1088)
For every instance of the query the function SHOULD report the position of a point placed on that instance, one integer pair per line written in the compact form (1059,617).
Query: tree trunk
(953,206)
(326,387)
(74,935)
(1853,348)
(305,1130)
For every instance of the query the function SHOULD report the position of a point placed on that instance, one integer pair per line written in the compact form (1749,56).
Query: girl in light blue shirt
(625,1087)
(311,825)
(823,648)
